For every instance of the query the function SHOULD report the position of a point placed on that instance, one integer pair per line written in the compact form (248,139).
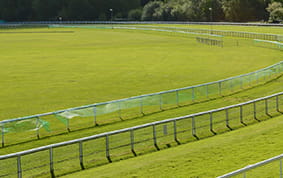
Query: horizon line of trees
(145,10)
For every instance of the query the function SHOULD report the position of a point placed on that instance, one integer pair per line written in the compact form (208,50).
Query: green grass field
(50,71)
(44,72)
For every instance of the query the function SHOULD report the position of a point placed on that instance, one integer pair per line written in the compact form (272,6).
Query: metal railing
(136,106)
(252,35)
(186,30)
(273,44)
(140,22)
(277,172)
(209,41)
(69,156)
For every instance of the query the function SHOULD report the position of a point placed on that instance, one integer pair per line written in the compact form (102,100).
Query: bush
(135,14)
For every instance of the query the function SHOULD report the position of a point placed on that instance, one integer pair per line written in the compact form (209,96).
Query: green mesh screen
(25,125)
(176,97)
(270,44)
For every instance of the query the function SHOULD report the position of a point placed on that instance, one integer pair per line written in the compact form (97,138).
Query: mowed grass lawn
(49,71)
(43,72)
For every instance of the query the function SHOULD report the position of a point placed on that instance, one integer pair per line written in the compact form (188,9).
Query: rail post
(51,165)
(37,127)
(220,88)
(175,132)
(193,94)
(266,108)
(280,162)
(132,136)
(141,106)
(194,130)
(177,98)
(107,149)
(119,111)
(277,104)
(19,166)
(227,119)
(207,91)
(81,155)
(94,114)
(160,102)
(68,125)
(211,123)
(241,116)
(154,137)
(2,134)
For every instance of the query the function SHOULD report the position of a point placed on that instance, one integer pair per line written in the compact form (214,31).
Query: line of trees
(26,10)
(214,10)
(164,10)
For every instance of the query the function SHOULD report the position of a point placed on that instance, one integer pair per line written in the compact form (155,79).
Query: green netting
(25,125)
(176,97)
(270,44)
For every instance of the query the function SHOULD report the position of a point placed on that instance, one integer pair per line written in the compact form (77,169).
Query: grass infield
(51,71)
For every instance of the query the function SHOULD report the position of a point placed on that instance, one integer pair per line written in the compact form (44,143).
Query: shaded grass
(205,158)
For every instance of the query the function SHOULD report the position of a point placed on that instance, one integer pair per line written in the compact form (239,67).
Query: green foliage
(243,10)
(183,10)
(150,10)
(276,12)
(167,10)
(23,10)
(135,14)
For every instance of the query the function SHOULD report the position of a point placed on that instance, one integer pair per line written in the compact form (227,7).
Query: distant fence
(62,158)
(252,35)
(209,41)
(266,43)
(144,22)
(27,128)
(273,168)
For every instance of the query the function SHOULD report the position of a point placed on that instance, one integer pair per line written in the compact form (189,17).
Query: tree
(46,9)
(149,9)
(135,14)
(244,10)
(276,12)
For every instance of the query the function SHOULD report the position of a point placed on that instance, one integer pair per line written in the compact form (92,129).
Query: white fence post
(132,136)
(37,127)
(154,137)
(94,116)
(51,165)
(2,133)
(19,166)
(81,155)
(107,149)
(280,168)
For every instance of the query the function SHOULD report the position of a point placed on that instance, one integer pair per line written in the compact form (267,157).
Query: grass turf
(52,71)
(205,158)
(174,111)
(42,83)
(28,139)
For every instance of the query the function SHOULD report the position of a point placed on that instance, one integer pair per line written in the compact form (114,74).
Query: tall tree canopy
(167,10)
